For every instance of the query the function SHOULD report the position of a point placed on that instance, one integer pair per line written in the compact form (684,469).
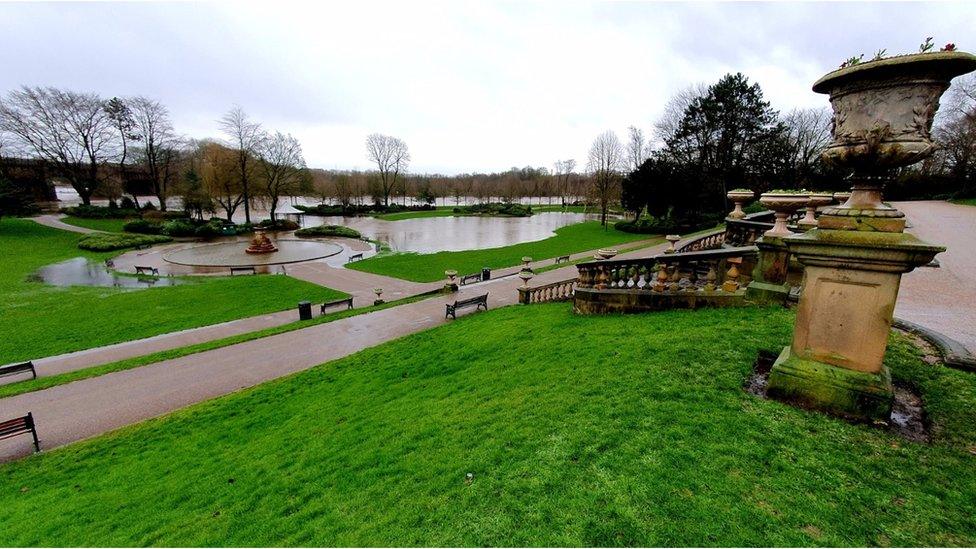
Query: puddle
(81,271)
(907,412)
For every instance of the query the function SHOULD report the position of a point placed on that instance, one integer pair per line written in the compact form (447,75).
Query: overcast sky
(470,86)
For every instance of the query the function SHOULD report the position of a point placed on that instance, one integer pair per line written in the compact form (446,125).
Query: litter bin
(304,310)
(485,273)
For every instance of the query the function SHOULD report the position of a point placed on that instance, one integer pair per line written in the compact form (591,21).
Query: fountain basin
(234,254)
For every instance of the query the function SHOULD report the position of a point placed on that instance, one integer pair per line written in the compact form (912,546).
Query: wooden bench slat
(12,369)
(327,304)
(20,426)
(479,301)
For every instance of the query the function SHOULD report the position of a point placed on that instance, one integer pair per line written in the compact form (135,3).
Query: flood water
(435,234)
(81,271)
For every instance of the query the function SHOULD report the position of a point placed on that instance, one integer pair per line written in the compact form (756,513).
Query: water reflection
(434,234)
(81,271)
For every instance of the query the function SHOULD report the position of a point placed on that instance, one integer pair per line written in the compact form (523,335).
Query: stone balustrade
(714,277)
(557,291)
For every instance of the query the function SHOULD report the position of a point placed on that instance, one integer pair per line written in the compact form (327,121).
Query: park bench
(12,369)
(327,304)
(477,302)
(468,279)
(147,270)
(355,257)
(20,426)
(142,246)
(242,270)
(562,259)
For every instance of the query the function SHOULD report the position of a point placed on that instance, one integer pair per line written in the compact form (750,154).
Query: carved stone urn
(815,201)
(854,259)
(672,240)
(783,204)
(883,113)
(739,197)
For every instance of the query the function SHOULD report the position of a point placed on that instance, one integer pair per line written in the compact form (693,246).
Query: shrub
(328,230)
(127,204)
(179,227)
(279,225)
(106,242)
(511,210)
(100,212)
(210,230)
(142,226)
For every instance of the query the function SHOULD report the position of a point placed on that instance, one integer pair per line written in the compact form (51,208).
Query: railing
(709,241)
(724,269)
(557,291)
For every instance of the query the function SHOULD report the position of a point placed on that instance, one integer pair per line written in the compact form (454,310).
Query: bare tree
(807,133)
(606,159)
(158,149)
(562,172)
(282,168)
(70,131)
(217,169)
(674,111)
(246,137)
(391,157)
(125,127)
(637,148)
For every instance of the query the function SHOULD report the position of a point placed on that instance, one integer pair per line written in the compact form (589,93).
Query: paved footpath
(943,299)
(89,407)
(54,221)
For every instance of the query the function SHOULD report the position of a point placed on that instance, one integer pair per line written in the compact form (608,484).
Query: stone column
(769,278)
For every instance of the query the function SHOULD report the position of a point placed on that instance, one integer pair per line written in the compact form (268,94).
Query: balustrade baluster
(675,285)
(731,283)
(710,278)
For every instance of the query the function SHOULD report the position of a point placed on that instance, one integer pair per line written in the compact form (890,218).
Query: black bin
(486,274)
(304,310)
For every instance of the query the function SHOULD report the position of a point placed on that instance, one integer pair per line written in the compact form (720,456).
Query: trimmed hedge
(142,226)
(100,212)
(106,242)
(279,225)
(495,208)
(328,230)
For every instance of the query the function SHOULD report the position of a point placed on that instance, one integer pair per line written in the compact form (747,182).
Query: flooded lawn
(81,271)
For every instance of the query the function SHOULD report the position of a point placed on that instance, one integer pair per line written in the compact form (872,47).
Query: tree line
(126,146)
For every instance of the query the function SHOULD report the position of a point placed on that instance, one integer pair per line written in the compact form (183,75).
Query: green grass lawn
(965,201)
(439,211)
(107,225)
(577,431)
(38,320)
(430,267)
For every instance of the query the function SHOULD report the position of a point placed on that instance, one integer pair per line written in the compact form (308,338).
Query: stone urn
(739,197)
(672,239)
(451,275)
(783,204)
(842,196)
(379,299)
(525,261)
(815,201)
(526,275)
(605,254)
(883,112)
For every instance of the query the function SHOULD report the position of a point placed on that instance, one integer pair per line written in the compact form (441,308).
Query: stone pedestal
(843,320)
(769,277)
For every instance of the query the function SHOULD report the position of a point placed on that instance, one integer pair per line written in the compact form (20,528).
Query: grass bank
(38,320)
(633,430)
(107,225)
(430,267)
(439,211)
(965,201)
(31,385)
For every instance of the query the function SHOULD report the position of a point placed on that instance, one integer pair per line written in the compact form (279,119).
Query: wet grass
(37,320)
(430,267)
(106,225)
(575,431)
(439,211)
(965,201)
(46,382)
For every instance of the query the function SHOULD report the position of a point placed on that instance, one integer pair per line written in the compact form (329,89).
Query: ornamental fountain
(261,244)
(853,261)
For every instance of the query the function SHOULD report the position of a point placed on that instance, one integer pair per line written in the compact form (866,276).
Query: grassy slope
(965,201)
(430,267)
(37,320)
(616,430)
(107,225)
(439,211)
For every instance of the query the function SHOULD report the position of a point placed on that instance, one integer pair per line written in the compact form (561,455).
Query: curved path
(54,221)
(944,298)
(89,407)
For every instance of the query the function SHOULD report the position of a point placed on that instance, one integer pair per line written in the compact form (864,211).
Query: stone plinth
(843,319)
(769,279)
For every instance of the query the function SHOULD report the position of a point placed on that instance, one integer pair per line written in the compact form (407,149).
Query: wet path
(944,298)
